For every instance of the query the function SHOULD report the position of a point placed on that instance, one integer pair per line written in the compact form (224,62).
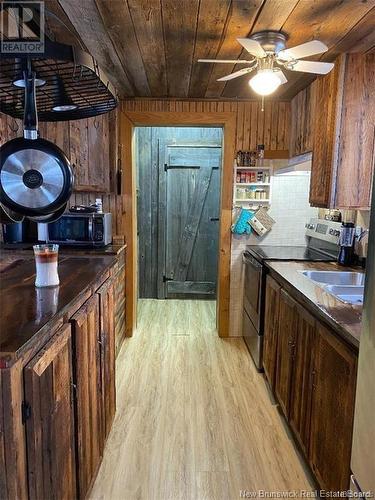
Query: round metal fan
(269,52)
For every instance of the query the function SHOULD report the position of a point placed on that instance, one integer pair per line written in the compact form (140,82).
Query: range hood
(299,165)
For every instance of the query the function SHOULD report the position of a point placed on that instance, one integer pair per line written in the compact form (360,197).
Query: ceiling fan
(269,53)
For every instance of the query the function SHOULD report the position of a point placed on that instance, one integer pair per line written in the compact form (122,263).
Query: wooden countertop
(28,312)
(345,319)
(68,250)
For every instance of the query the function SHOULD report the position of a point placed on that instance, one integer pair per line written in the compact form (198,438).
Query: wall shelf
(263,186)
(254,169)
(253,183)
(252,200)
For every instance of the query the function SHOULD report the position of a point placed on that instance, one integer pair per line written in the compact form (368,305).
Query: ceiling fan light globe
(265,82)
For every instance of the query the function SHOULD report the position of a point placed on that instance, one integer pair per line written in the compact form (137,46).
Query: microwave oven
(91,229)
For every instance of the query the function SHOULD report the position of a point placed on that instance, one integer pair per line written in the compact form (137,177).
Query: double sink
(346,286)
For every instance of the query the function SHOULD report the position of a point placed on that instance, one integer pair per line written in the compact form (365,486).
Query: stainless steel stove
(322,245)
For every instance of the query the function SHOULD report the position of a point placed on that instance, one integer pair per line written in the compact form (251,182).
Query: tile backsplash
(291,210)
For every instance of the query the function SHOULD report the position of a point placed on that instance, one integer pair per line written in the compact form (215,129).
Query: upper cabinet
(91,145)
(342,106)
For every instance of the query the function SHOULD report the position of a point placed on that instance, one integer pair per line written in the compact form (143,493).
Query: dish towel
(242,226)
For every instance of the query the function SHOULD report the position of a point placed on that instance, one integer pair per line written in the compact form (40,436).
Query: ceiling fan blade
(252,46)
(236,74)
(225,61)
(281,76)
(321,68)
(304,50)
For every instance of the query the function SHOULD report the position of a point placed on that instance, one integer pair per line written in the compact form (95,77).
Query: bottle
(347,235)
(260,149)
(99,205)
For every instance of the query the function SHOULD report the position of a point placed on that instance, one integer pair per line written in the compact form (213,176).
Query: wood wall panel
(254,126)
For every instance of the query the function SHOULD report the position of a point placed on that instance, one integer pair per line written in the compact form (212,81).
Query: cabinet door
(120,303)
(58,133)
(332,410)
(271,324)
(285,349)
(300,399)
(86,356)
(50,428)
(355,162)
(107,339)
(89,151)
(325,140)
(79,153)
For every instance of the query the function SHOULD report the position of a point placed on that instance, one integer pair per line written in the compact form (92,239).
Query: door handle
(214,219)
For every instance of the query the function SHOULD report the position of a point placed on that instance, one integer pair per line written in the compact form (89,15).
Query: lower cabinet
(93,333)
(300,391)
(314,383)
(66,391)
(88,392)
(285,349)
(108,355)
(50,420)
(332,410)
(271,324)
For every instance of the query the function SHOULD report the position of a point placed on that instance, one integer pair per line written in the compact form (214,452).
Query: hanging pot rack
(85,84)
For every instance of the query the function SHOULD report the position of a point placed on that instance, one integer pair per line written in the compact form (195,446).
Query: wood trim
(50,350)
(129,191)
(227,120)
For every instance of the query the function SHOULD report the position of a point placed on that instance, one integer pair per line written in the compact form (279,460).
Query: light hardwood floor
(194,419)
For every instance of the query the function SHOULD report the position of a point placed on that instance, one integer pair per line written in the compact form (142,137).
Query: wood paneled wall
(254,126)
(270,127)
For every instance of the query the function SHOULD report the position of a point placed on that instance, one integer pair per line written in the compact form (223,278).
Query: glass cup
(46,265)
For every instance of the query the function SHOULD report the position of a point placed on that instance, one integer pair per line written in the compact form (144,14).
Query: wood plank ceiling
(149,48)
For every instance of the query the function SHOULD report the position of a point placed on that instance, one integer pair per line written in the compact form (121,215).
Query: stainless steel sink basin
(348,294)
(336,277)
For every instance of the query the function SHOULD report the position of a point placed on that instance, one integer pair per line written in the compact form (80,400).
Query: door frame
(128,121)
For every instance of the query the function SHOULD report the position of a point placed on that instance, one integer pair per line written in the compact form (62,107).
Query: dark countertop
(27,312)
(28,247)
(345,319)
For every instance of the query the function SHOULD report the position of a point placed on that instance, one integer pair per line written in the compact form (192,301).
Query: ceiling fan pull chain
(262,108)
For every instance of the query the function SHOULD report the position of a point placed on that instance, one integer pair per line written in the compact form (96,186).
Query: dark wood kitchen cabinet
(108,356)
(271,324)
(91,145)
(88,392)
(332,410)
(343,134)
(300,391)
(314,384)
(50,428)
(286,340)
(89,154)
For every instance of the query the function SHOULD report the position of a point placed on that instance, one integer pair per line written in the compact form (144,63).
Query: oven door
(253,289)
